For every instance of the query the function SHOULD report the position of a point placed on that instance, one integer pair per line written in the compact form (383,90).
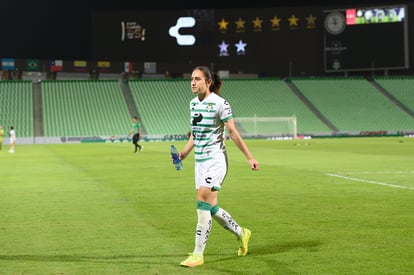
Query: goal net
(267,127)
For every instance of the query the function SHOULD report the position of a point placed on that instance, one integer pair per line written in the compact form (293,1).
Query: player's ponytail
(215,84)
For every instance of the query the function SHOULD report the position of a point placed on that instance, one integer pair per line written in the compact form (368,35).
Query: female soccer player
(210,114)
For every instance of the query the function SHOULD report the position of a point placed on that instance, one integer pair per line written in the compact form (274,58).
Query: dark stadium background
(63,29)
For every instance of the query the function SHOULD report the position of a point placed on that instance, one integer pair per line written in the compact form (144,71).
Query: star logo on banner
(223,25)
(241,48)
(257,24)
(275,23)
(223,49)
(293,21)
(310,22)
(240,25)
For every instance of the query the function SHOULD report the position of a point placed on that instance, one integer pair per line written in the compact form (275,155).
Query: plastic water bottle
(176,160)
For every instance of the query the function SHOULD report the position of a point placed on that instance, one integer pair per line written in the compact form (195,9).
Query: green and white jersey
(136,127)
(207,120)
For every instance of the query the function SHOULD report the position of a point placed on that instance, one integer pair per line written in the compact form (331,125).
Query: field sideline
(320,206)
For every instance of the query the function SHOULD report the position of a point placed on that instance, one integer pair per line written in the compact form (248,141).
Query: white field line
(378,173)
(370,181)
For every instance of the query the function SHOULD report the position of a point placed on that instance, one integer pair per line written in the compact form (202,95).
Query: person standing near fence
(210,114)
(136,134)
(12,133)
(1,136)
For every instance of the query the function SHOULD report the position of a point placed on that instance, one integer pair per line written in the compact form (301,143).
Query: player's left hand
(254,164)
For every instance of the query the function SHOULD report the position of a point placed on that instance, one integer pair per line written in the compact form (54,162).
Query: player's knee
(202,205)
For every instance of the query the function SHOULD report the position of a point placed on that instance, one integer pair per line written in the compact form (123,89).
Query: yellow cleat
(244,242)
(193,260)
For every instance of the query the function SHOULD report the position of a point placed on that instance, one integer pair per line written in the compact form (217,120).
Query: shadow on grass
(82,258)
(274,248)
(271,248)
(263,258)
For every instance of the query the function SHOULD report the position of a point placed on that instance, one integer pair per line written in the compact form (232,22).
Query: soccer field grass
(320,206)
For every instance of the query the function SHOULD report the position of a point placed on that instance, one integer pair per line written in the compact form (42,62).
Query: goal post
(267,127)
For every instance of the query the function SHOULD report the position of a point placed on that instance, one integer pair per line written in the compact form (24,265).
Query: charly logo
(183,39)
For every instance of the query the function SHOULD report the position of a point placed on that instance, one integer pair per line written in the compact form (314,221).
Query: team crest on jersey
(210,107)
